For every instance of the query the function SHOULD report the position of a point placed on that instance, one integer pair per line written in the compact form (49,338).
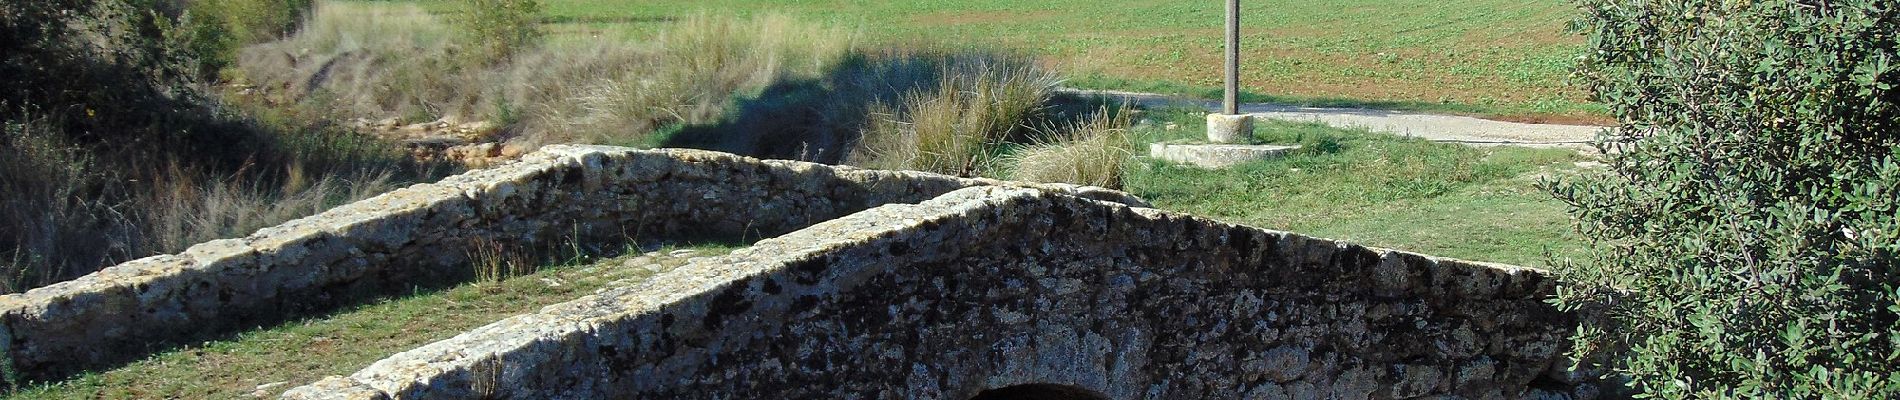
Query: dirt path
(1434,127)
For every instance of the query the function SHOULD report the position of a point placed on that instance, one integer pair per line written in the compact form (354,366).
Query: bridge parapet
(559,198)
(989,288)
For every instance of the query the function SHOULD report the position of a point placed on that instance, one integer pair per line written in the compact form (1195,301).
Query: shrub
(495,30)
(214,30)
(1745,234)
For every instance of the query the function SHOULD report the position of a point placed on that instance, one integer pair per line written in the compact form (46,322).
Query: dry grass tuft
(493,261)
(956,126)
(1090,152)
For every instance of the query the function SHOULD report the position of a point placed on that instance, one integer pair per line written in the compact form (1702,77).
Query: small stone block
(1223,128)
(1216,156)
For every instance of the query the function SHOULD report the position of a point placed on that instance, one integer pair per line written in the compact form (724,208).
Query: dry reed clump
(379,61)
(957,125)
(1090,152)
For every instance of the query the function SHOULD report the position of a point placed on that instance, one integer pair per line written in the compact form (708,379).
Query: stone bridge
(873,284)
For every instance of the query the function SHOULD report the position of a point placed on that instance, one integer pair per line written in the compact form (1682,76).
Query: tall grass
(44,216)
(1089,152)
(194,209)
(68,211)
(954,127)
(492,261)
(114,147)
(698,66)
(397,61)
(948,111)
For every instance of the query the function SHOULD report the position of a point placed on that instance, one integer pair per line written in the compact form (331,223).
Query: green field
(1497,58)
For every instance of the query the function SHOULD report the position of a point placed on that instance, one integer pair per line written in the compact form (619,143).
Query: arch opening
(1039,391)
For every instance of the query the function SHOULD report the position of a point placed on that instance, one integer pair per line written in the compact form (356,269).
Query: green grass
(301,352)
(1489,57)
(1378,190)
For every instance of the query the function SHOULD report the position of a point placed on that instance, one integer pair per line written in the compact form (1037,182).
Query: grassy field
(1498,58)
(268,361)
(1379,190)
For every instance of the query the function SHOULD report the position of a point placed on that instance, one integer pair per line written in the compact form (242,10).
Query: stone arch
(1039,391)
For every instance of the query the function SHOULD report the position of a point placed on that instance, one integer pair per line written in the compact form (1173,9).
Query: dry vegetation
(764,85)
(116,148)
(375,61)
(957,126)
(1091,152)
(69,211)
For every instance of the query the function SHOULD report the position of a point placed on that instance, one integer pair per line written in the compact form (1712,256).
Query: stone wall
(989,288)
(563,196)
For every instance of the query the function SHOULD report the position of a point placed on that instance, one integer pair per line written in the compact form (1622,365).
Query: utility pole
(1230,103)
(1230,126)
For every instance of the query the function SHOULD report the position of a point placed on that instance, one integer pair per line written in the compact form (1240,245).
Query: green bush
(1745,234)
(216,29)
(494,30)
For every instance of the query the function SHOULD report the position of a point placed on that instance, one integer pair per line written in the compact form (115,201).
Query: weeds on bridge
(492,261)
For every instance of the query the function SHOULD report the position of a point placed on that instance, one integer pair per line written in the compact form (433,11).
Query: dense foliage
(1745,231)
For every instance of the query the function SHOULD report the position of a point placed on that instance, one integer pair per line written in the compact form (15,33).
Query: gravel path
(1434,127)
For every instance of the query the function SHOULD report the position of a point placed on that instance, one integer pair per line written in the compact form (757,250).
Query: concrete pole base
(1223,128)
